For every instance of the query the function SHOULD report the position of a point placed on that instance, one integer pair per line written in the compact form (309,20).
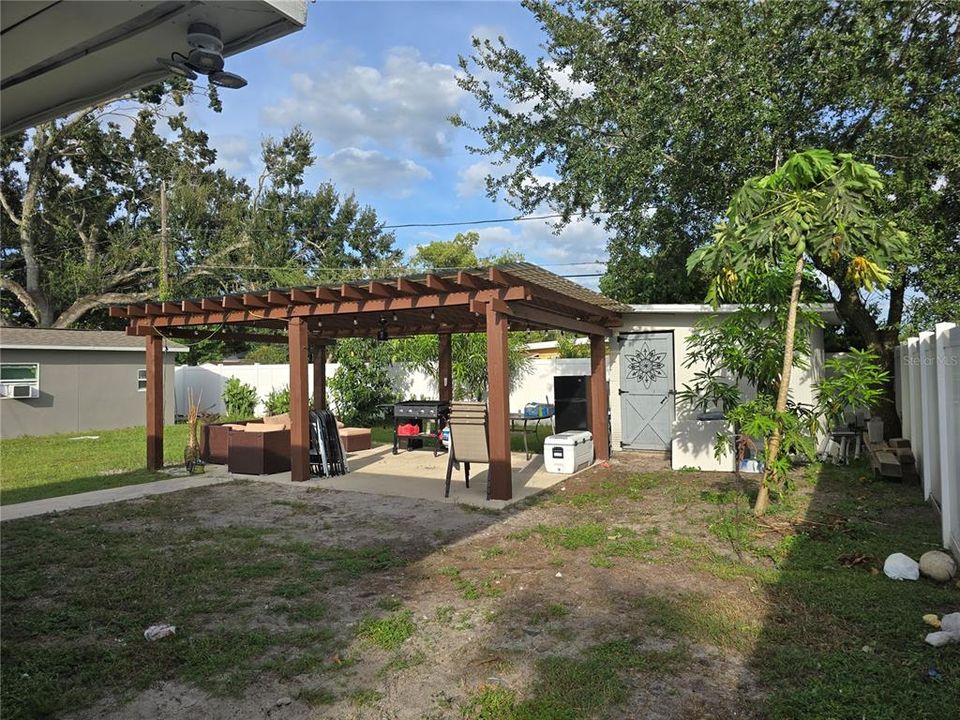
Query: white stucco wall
(693,440)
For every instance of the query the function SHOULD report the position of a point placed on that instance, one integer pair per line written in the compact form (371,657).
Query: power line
(518,218)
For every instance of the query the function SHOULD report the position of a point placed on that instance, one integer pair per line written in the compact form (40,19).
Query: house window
(20,380)
(142,379)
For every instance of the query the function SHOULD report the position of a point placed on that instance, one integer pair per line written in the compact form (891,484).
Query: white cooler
(568,451)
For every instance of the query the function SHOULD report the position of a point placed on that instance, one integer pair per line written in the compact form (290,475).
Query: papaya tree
(816,208)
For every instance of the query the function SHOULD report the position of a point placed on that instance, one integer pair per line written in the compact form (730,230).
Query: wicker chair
(468,439)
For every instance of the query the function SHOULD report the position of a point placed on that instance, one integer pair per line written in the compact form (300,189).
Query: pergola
(494,300)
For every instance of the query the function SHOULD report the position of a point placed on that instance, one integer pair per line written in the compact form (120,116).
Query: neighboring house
(56,381)
(550,349)
(646,370)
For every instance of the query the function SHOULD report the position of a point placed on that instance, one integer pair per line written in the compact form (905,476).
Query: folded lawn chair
(468,439)
(327,457)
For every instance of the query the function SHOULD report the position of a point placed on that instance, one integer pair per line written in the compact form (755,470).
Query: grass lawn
(53,465)
(627,593)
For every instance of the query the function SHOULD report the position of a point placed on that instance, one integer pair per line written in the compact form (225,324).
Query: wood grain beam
(299,411)
(409,287)
(359,307)
(439,284)
(468,280)
(154,348)
(252,300)
(556,320)
(379,289)
(352,293)
(302,297)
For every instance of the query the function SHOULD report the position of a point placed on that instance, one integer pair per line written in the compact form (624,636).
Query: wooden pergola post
(445,370)
(299,420)
(500,475)
(599,399)
(319,376)
(154,402)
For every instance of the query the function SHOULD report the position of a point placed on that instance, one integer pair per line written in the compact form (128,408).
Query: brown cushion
(283,419)
(261,427)
(353,432)
(339,424)
(234,426)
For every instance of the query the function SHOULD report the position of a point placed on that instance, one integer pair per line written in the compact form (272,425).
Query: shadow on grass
(842,640)
(80,485)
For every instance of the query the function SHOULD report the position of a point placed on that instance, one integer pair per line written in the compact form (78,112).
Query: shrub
(277,402)
(239,398)
(361,382)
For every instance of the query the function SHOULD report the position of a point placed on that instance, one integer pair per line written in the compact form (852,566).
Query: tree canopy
(459,252)
(652,113)
(82,221)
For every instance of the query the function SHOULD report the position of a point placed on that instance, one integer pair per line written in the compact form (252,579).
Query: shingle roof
(552,281)
(57,339)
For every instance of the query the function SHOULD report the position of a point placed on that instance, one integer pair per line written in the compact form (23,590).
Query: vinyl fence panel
(928,387)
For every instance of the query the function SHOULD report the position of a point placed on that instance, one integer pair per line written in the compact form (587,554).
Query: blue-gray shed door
(646,390)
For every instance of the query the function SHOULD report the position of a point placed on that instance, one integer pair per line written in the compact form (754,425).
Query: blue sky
(374,83)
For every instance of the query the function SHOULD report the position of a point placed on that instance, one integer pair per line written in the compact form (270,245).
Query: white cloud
(493,33)
(372,170)
(572,251)
(404,104)
(473,179)
(233,153)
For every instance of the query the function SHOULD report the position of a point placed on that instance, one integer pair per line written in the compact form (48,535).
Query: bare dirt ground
(608,597)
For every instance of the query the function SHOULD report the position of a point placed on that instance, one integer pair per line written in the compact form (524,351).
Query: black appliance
(416,411)
(570,402)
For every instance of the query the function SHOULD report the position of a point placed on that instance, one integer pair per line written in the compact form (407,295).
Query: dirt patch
(498,600)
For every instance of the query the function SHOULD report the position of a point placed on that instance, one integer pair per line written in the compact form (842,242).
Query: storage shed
(647,355)
(54,381)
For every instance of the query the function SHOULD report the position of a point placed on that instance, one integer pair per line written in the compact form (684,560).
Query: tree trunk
(773,445)
(852,311)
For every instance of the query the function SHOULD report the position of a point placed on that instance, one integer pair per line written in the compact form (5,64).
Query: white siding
(693,441)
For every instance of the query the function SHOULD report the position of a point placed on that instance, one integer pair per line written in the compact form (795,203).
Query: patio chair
(468,440)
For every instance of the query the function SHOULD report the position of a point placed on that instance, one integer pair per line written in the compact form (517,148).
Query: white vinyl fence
(207,382)
(928,398)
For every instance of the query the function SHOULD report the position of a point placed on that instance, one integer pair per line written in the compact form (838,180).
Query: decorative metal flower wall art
(646,365)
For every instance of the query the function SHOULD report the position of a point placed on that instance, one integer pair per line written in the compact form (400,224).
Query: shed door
(646,390)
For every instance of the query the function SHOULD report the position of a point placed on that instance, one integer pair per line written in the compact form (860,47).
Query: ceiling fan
(205,57)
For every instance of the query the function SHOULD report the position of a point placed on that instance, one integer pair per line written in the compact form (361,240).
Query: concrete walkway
(213,476)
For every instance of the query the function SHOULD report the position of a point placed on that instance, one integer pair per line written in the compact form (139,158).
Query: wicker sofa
(214,441)
(262,447)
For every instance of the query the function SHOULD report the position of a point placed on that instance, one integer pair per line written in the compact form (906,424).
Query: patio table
(520,417)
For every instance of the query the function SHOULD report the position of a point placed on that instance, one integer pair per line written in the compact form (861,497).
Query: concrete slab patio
(418,474)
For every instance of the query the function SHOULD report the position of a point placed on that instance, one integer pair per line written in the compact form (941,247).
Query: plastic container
(568,451)
(536,410)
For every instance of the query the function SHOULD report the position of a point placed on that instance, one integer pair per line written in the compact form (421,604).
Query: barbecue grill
(418,411)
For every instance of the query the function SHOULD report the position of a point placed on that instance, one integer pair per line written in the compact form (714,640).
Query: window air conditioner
(19,392)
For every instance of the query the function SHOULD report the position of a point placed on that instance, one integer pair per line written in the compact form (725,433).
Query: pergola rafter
(515,296)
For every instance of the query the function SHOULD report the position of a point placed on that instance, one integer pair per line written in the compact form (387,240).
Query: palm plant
(816,207)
